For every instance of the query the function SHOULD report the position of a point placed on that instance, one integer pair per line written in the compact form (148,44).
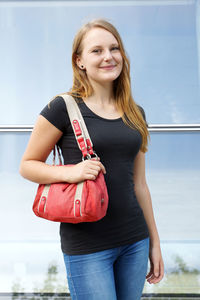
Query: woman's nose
(107,55)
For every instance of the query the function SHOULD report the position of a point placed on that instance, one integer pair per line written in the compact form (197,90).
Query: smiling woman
(95,58)
(102,34)
(108,258)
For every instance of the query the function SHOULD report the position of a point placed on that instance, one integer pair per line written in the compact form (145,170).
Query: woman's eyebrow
(100,46)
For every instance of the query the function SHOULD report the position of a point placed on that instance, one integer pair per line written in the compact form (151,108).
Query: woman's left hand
(156,272)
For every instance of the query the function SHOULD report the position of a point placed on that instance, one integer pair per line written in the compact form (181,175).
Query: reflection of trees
(181,279)
(182,268)
(16,288)
(50,281)
(51,284)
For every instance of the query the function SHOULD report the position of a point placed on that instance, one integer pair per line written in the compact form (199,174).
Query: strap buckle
(87,156)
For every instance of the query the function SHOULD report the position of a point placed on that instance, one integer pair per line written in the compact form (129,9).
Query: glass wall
(173,175)
(162,41)
(29,245)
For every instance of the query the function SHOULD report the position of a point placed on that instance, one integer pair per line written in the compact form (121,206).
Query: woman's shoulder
(59,100)
(56,113)
(142,112)
(56,102)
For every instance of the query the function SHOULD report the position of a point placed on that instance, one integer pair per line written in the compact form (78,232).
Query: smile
(108,67)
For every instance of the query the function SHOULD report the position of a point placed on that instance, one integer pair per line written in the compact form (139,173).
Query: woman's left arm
(156,272)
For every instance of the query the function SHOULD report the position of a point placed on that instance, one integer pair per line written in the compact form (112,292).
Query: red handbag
(86,201)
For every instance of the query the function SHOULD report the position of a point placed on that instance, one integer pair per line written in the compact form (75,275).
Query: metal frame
(50,3)
(151,127)
(66,296)
(173,127)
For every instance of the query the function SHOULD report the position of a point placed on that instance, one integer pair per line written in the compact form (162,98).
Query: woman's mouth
(110,67)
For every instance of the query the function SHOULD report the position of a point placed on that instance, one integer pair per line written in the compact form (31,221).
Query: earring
(82,66)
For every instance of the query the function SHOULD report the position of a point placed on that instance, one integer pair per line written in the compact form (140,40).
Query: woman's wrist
(62,173)
(154,241)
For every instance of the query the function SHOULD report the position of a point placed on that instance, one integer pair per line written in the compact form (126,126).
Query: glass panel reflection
(173,175)
(161,38)
(29,246)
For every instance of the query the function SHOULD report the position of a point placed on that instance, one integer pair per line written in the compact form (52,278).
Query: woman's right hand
(87,169)
(33,167)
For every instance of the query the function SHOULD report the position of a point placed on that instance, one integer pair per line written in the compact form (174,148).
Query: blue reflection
(161,38)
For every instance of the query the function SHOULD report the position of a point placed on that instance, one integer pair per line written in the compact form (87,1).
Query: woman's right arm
(33,167)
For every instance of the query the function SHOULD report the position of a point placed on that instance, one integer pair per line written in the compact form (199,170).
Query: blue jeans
(113,274)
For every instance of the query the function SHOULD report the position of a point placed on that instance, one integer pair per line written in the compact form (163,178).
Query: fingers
(96,165)
(150,272)
(156,269)
(103,169)
(92,168)
(156,272)
(161,270)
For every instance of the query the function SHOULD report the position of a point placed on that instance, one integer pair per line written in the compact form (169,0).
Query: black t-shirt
(117,145)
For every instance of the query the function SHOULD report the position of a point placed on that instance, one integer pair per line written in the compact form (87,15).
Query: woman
(105,259)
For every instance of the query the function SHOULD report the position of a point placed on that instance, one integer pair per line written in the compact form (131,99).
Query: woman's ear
(78,62)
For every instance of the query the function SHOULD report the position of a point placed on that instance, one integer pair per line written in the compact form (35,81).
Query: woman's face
(100,57)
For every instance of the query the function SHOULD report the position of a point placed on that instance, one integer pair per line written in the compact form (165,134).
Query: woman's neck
(103,94)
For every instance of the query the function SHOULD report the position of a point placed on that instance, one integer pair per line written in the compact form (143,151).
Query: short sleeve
(143,114)
(56,113)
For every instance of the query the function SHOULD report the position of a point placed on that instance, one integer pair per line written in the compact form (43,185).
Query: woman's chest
(113,137)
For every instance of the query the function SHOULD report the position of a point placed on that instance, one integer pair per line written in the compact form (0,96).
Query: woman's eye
(96,50)
(100,50)
(115,48)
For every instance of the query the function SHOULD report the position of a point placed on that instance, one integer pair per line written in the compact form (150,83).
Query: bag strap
(84,127)
(54,155)
(79,127)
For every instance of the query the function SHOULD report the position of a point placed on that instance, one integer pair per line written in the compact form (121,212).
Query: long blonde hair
(125,103)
